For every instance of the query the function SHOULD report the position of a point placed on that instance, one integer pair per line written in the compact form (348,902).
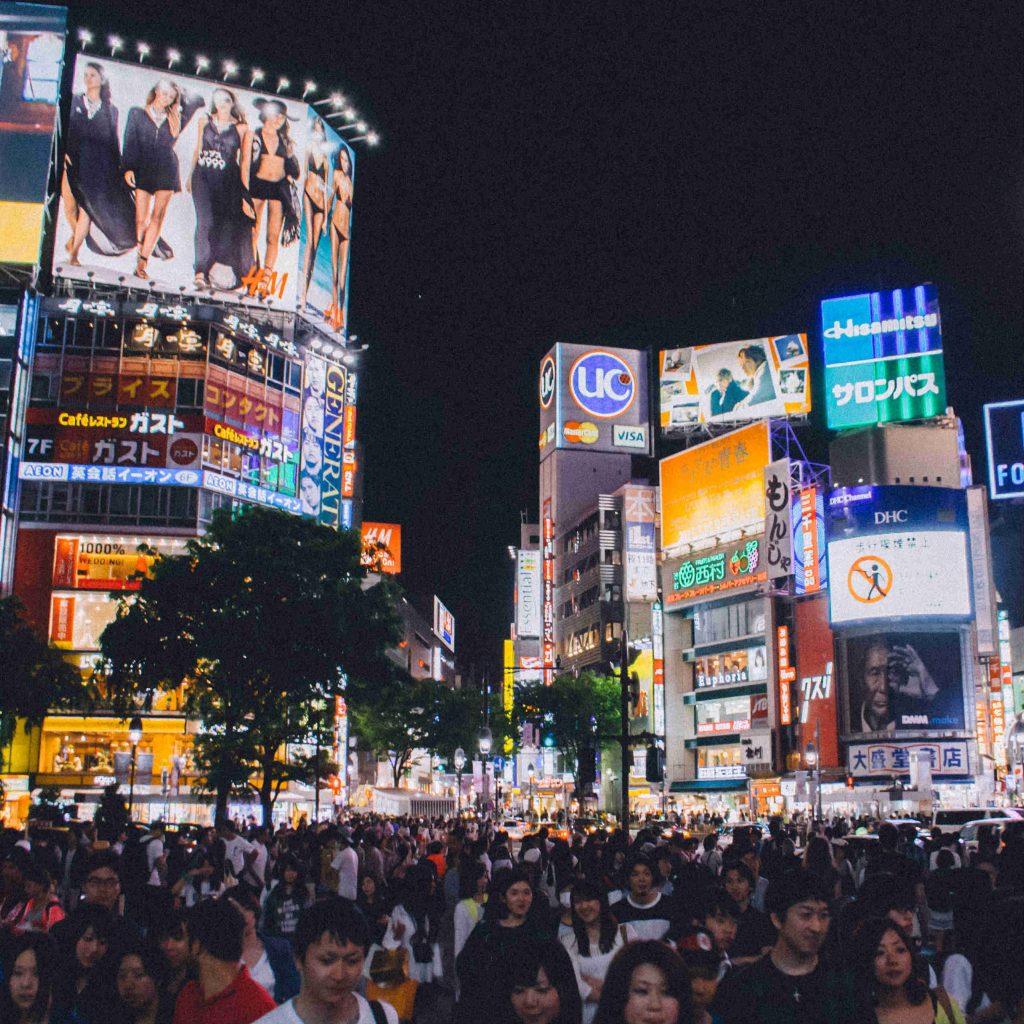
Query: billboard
(639,544)
(810,565)
(444,625)
(326,234)
(816,678)
(733,382)
(714,488)
(1004,443)
(730,668)
(778,526)
(731,568)
(898,552)
(311,464)
(213,177)
(77,620)
(594,399)
(89,561)
(904,681)
(382,547)
(890,759)
(731,714)
(529,594)
(31,64)
(883,357)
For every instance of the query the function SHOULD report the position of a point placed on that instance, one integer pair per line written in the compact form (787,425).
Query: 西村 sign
(731,567)
(883,357)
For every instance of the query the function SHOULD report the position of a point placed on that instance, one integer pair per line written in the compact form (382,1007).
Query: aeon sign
(602,384)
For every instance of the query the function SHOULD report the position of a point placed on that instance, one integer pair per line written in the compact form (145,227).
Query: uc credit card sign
(883,357)
(594,398)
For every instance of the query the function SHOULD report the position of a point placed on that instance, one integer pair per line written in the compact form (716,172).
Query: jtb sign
(883,357)
(1004,439)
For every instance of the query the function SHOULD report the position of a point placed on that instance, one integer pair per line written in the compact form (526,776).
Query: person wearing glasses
(102,888)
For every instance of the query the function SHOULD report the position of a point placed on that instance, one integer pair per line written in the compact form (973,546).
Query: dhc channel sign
(602,384)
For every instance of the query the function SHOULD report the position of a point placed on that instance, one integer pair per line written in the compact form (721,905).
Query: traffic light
(548,737)
(655,764)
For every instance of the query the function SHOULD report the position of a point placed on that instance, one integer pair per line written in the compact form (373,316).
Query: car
(949,820)
(973,832)
(514,827)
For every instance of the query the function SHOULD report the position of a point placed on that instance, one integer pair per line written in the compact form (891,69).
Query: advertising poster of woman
(192,185)
(326,227)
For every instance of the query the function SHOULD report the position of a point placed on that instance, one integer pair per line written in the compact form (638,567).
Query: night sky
(636,174)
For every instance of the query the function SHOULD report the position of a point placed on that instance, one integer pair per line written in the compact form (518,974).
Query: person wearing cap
(701,960)
(792,984)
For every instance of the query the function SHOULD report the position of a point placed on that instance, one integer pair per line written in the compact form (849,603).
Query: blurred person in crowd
(140,974)
(30,965)
(538,986)
(269,960)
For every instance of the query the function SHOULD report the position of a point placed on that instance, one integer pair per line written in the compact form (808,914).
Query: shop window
(121,504)
(43,388)
(190,393)
(108,335)
(293,382)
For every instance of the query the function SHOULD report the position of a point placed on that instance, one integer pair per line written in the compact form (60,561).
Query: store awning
(709,786)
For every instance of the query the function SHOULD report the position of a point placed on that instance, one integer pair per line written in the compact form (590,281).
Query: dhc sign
(602,384)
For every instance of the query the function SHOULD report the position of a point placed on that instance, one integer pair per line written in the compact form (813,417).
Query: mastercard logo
(580,433)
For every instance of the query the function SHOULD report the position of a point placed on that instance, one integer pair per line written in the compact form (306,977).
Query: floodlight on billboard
(883,357)
(207,155)
(382,547)
(898,552)
(444,625)
(31,65)
(733,382)
(715,488)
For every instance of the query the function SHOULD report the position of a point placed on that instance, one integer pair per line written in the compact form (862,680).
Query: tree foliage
(33,676)
(265,616)
(580,713)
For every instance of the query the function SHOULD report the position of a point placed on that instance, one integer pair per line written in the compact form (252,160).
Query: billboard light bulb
(202,63)
(84,37)
(337,100)
(173,57)
(308,86)
(282,83)
(257,76)
(115,43)
(230,68)
(361,127)
(372,139)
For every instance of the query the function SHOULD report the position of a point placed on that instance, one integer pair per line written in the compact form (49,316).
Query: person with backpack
(330,947)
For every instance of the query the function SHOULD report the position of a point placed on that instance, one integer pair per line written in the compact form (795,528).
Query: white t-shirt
(154,850)
(235,851)
(346,863)
(285,1013)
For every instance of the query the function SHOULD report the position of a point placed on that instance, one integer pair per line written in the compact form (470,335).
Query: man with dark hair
(330,946)
(754,364)
(725,393)
(223,992)
(102,888)
(649,911)
(754,931)
(791,985)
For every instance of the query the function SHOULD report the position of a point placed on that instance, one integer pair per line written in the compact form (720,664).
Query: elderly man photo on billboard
(894,682)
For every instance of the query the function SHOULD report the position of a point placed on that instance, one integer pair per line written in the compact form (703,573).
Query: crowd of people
(380,920)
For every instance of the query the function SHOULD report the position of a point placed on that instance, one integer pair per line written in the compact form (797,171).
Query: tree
(33,676)
(576,714)
(262,618)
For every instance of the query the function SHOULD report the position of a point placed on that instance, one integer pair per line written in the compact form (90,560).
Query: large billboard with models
(733,382)
(202,188)
(31,63)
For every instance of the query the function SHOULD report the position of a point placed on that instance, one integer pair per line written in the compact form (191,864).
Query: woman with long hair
(29,967)
(141,973)
(341,232)
(314,202)
(473,884)
(593,942)
(415,924)
(818,861)
(97,201)
(223,232)
(538,986)
(512,917)
(149,163)
(647,983)
(884,969)
(85,984)
(286,899)
(269,166)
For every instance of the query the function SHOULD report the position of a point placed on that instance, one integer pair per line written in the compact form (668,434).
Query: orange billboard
(715,488)
(382,547)
(108,562)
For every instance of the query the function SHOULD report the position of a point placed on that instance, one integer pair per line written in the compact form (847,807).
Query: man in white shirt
(330,946)
(346,863)
(237,851)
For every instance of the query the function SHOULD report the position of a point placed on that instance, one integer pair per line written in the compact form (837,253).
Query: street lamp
(460,763)
(485,740)
(532,776)
(134,737)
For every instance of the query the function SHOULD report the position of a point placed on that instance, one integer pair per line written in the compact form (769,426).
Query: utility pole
(624,729)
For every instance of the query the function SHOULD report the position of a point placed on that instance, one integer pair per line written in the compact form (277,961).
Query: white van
(949,820)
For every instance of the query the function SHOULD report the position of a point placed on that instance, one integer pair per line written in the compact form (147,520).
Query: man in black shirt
(754,930)
(791,984)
